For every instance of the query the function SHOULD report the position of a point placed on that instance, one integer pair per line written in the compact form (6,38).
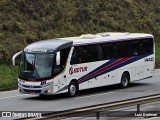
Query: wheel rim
(125,81)
(72,89)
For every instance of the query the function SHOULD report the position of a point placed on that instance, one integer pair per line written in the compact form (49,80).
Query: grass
(8,76)
(38,20)
(157,55)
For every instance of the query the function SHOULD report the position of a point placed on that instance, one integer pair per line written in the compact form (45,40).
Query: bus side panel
(93,74)
(109,78)
(83,73)
(140,69)
(96,74)
(149,66)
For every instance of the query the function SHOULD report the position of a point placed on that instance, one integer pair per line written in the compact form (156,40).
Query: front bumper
(33,89)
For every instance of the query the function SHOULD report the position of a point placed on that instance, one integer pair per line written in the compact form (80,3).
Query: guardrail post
(138,108)
(98,114)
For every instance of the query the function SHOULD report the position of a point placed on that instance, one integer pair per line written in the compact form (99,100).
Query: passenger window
(84,54)
(147,46)
(108,51)
(135,48)
(122,49)
(81,55)
(91,53)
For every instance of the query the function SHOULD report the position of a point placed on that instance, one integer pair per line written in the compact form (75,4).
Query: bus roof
(48,46)
(53,45)
(106,37)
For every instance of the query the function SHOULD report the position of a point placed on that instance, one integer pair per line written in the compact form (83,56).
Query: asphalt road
(127,113)
(14,101)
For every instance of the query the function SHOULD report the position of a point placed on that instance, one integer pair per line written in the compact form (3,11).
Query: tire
(72,89)
(124,80)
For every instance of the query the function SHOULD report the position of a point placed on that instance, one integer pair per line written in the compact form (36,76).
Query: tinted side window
(63,60)
(108,51)
(81,55)
(74,59)
(122,49)
(146,46)
(64,55)
(84,54)
(134,48)
(91,53)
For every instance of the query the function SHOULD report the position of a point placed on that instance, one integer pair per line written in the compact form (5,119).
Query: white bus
(71,64)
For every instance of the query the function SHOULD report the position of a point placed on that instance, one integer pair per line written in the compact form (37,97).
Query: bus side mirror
(58,58)
(15,56)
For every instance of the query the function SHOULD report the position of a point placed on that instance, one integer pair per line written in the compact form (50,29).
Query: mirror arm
(14,57)
(58,58)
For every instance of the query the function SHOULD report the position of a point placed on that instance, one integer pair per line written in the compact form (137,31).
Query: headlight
(19,83)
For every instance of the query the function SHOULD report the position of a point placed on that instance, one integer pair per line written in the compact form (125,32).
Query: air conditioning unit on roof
(105,34)
(90,36)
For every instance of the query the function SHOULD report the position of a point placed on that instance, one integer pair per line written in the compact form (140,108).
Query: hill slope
(25,21)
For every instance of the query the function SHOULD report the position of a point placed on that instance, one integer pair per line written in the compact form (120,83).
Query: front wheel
(72,89)
(124,80)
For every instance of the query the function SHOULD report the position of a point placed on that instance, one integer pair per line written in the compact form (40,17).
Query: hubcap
(72,89)
(125,81)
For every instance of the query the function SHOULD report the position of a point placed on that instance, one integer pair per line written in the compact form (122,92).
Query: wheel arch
(127,72)
(76,81)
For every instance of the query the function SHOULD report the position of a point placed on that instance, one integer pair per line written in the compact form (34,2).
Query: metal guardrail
(101,108)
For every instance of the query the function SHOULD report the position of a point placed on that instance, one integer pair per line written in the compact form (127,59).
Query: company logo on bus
(37,50)
(77,70)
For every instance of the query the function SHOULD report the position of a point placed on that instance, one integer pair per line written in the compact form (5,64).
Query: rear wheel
(124,80)
(72,89)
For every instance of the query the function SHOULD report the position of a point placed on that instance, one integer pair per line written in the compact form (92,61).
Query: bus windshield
(36,66)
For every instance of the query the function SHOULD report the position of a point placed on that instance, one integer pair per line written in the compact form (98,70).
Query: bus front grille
(32,91)
(28,86)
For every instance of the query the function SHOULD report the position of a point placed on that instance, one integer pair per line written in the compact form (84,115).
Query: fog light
(49,91)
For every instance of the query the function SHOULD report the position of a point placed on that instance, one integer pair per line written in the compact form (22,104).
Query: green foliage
(158,55)
(25,21)
(8,76)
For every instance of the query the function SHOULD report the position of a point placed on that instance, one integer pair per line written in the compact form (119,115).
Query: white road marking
(152,118)
(94,95)
(12,96)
